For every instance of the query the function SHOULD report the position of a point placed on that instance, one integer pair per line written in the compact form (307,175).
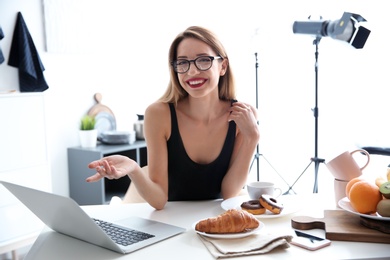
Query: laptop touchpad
(136,222)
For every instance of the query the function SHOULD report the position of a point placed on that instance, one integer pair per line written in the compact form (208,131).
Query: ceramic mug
(258,188)
(344,166)
(339,190)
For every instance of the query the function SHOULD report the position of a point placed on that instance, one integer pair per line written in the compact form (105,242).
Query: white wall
(352,83)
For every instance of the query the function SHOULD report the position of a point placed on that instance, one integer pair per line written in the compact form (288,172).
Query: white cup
(258,188)
(339,190)
(345,168)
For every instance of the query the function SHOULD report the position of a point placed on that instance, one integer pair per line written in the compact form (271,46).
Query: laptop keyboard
(120,235)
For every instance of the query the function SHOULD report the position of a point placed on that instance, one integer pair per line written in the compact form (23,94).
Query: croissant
(231,221)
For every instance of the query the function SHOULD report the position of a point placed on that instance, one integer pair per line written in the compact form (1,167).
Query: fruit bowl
(345,204)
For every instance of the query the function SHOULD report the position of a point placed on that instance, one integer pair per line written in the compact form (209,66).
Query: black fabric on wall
(1,53)
(24,56)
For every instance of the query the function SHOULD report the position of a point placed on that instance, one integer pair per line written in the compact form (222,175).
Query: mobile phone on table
(308,241)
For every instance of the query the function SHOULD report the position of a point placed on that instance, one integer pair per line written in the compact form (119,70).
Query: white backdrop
(120,48)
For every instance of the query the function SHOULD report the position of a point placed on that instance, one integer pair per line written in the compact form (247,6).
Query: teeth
(195,82)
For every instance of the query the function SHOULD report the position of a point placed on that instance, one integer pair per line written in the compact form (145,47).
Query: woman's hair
(175,91)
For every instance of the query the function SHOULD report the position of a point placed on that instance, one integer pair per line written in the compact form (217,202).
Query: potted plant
(87,123)
(88,133)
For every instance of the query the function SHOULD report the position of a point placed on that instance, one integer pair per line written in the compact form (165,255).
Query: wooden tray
(344,226)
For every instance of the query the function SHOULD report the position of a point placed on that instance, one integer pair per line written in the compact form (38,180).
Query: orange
(350,183)
(364,197)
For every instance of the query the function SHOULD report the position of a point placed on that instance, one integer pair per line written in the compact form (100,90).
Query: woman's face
(196,82)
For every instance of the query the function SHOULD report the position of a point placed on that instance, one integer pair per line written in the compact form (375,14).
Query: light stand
(347,29)
(258,154)
(315,159)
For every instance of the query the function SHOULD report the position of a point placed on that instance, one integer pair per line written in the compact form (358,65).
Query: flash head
(346,28)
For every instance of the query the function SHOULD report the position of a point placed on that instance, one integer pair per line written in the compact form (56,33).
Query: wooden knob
(98,98)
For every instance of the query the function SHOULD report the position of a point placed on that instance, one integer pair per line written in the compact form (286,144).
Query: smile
(196,83)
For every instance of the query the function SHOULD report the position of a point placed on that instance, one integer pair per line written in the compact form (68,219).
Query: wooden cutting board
(99,107)
(343,226)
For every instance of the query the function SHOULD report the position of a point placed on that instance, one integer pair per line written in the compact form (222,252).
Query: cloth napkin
(255,244)
(24,56)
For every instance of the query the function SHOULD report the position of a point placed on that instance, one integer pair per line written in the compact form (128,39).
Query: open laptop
(65,216)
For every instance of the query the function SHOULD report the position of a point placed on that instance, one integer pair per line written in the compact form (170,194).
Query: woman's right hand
(111,167)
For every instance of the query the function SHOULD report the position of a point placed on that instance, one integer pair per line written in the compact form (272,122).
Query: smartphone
(308,241)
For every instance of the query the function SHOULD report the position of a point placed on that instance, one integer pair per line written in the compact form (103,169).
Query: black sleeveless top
(188,180)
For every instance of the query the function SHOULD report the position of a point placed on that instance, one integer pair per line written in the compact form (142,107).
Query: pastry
(253,206)
(271,204)
(231,221)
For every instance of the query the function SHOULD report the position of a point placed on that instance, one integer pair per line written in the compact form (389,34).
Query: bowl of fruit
(368,198)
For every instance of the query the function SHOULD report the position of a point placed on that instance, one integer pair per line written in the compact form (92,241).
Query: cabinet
(24,161)
(102,191)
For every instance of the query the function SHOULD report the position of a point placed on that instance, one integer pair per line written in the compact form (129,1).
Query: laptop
(65,216)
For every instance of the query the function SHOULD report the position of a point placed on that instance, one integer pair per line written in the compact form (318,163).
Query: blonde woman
(200,140)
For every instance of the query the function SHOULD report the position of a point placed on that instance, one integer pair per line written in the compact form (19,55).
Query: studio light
(347,28)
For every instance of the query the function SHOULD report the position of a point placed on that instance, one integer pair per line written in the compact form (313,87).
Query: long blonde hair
(226,85)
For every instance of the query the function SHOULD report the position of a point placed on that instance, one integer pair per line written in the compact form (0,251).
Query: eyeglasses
(201,63)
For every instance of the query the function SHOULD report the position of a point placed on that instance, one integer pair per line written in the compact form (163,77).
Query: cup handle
(366,153)
(278,192)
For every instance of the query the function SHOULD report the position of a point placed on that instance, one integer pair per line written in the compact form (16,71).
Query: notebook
(65,216)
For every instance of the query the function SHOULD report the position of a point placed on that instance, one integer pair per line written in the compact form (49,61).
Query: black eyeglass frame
(212,58)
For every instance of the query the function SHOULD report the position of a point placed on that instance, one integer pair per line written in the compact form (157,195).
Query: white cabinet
(24,160)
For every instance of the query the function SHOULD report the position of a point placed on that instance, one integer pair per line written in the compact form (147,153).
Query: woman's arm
(157,126)
(153,187)
(247,138)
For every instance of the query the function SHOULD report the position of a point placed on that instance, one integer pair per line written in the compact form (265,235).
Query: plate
(104,122)
(346,205)
(230,236)
(290,206)
(115,137)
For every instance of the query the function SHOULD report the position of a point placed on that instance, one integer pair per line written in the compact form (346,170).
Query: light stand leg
(315,159)
(257,156)
(290,187)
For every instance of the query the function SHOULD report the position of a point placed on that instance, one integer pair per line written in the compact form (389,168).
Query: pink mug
(344,166)
(339,190)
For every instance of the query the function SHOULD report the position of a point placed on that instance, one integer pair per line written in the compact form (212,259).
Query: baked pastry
(271,204)
(231,221)
(253,206)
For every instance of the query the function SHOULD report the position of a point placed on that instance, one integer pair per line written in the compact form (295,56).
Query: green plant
(87,123)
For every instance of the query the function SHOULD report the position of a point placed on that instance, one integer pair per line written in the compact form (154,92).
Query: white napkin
(251,245)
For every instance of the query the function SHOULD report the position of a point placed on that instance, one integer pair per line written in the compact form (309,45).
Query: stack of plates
(104,122)
(117,137)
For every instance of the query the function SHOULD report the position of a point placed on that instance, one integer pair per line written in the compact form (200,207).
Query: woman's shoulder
(158,111)
(157,108)
(157,117)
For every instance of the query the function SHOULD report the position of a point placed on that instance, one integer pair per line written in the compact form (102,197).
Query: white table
(19,227)
(52,245)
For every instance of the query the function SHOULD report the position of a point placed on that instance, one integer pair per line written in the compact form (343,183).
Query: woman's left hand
(245,116)
(111,167)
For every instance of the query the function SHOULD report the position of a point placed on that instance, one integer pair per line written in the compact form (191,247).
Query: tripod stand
(315,159)
(258,154)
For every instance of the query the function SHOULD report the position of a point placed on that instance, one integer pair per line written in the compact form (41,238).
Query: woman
(200,141)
